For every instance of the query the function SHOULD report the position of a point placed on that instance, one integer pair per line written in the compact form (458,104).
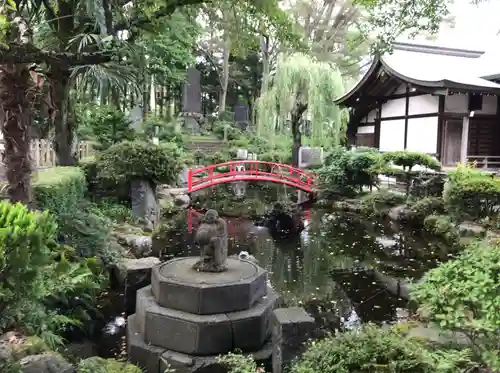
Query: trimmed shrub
(472,193)
(98,188)
(420,209)
(138,160)
(348,171)
(408,160)
(59,189)
(380,202)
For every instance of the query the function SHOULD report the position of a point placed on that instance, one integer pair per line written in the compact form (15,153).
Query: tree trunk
(225,76)
(63,141)
(16,99)
(296,135)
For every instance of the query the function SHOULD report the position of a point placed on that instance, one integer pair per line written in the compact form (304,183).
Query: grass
(203,137)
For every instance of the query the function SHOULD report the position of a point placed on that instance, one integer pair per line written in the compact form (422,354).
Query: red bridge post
(190,179)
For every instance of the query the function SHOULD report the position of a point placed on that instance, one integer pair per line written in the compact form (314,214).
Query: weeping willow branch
(301,81)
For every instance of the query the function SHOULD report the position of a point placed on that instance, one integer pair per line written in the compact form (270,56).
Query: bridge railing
(250,170)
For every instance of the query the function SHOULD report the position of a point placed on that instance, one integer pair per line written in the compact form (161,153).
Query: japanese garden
(305,186)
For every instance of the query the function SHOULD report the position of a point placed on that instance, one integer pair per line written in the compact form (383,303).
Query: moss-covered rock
(100,365)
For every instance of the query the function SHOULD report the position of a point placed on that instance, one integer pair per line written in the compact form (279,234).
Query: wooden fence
(43,154)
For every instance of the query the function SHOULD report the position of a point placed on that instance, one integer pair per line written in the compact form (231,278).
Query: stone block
(251,328)
(144,355)
(181,331)
(178,286)
(134,274)
(182,363)
(291,328)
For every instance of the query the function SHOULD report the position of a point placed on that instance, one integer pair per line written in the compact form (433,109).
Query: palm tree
(17,96)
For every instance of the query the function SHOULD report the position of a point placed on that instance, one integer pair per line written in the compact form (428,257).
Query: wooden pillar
(465,140)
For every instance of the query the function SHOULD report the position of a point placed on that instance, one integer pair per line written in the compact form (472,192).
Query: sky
(476,26)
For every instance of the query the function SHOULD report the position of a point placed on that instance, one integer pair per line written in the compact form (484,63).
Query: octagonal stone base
(203,334)
(153,359)
(176,285)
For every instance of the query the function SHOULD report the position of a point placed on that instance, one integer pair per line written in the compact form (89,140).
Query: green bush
(59,189)
(472,193)
(99,188)
(464,295)
(108,125)
(348,171)
(408,160)
(236,363)
(219,127)
(100,365)
(371,349)
(380,202)
(36,273)
(442,226)
(420,209)
(167,131)
(128,161)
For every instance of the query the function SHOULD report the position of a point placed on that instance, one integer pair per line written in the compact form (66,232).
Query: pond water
(340,267)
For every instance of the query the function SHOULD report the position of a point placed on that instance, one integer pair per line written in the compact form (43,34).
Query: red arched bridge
(228,172)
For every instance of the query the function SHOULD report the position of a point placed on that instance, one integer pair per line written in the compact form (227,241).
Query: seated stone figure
(212,238)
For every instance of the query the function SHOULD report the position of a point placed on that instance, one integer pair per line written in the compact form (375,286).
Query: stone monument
(191,102)
(196,309)
(241,116)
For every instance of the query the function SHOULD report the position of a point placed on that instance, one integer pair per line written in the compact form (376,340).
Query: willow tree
(303,89)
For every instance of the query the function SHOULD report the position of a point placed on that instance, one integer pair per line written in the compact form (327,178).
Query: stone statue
(212,237)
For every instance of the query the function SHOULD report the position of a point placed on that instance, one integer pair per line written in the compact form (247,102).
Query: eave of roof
(374,68)
(446,67)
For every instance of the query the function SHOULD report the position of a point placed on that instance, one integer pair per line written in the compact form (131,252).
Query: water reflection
(329,267)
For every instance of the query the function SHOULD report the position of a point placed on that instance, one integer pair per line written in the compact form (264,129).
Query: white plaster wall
(422,135)
(423,105)
(460,103)
(394,108)
(392,134)
(366,129)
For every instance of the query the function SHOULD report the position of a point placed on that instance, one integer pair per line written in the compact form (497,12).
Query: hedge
(472,194)
(59,189)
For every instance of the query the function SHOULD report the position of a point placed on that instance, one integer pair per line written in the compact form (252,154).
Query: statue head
(211,217)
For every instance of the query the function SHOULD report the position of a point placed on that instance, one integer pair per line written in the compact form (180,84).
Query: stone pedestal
(186,318)
(291,328)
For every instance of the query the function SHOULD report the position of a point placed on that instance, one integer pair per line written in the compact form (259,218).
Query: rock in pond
(45,363)
(139,246)
(471,229)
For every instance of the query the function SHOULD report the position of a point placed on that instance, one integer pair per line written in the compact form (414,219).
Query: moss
(100,365)
(418,210)
(380,202)
(443,226)
(59,189)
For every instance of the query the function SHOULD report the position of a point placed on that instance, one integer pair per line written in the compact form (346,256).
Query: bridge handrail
(296,175)
(231,163)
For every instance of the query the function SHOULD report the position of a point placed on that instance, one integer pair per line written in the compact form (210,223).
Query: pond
(343,269)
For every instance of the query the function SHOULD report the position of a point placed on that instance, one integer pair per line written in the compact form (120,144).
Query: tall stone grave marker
(310,156)
(135,116)
(191,101)
(241,115)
